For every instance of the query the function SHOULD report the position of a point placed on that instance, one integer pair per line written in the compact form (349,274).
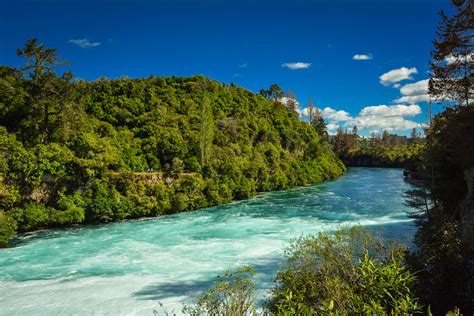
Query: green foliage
(8,227)
(30,217)
(444,238)
(47,95)
(86,152)
(71,210)
(386,151)
(232,295)
(348,272)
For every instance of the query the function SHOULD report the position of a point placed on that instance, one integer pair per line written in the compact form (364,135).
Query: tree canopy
(85,152)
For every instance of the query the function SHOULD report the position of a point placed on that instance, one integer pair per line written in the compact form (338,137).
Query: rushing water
(129,267)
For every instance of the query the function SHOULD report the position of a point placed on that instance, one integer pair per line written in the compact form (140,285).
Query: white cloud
(411,99)
(362,57)
(459,59)
(386,117)
(84,43)
(332,128)
(390,110)
(244,65)
(417,88)
(286,100)
(333,115)
(414,92)
(396,75)
(297,65)
(302,112)
(374,118)
(380,123)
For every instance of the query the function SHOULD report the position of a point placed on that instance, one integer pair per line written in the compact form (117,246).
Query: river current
(130,267)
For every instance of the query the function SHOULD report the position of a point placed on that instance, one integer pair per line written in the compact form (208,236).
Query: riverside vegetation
(349,272)
(85,152)
(386,150)
(77,152)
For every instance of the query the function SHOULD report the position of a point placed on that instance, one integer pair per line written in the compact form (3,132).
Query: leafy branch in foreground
(232,295)
(348,272)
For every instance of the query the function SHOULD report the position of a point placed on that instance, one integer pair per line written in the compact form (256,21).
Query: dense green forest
(74,152)
(386,150)
(350,272)
(77,152)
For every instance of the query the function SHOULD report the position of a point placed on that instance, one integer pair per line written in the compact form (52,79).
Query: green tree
(274,93)
(8,227)
(207,130)
(48,94)
(415,136)
(319,124)
(453,61)
(386,137)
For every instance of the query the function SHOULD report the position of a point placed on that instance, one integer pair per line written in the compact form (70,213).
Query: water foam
(128,267)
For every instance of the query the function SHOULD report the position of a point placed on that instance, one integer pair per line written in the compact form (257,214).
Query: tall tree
(274,92)
(385,137)
(415,136)
(310,110)
(48,94)
(355,132)
(341,142)
(291,100)
(207,130)
(453,59)
(355,136)
(318,123)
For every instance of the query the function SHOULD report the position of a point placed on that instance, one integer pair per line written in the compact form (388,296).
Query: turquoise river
(130,267)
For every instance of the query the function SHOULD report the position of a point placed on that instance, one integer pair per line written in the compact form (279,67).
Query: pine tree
(415,136)
(318,123)
(48,94)
(453,60)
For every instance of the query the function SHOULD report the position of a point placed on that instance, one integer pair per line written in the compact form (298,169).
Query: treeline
(347,273)
(386,150)
(444,198)
(75,152)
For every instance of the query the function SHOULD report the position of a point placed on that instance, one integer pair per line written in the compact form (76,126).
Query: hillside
(76,152)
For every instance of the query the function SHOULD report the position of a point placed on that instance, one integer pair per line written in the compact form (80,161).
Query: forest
(386,150)
(350,272)
(77,152)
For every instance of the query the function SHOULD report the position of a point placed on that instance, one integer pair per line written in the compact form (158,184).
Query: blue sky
(249,42)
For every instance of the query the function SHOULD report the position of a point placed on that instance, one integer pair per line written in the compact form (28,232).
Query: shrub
(30,217)
(8,228)
(349,272)
(232,295)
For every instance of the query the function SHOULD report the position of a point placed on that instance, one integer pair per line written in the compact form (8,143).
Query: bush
(232,295)
(348,272)
(179,202)
(30,217)
(71,210)
(8,228)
